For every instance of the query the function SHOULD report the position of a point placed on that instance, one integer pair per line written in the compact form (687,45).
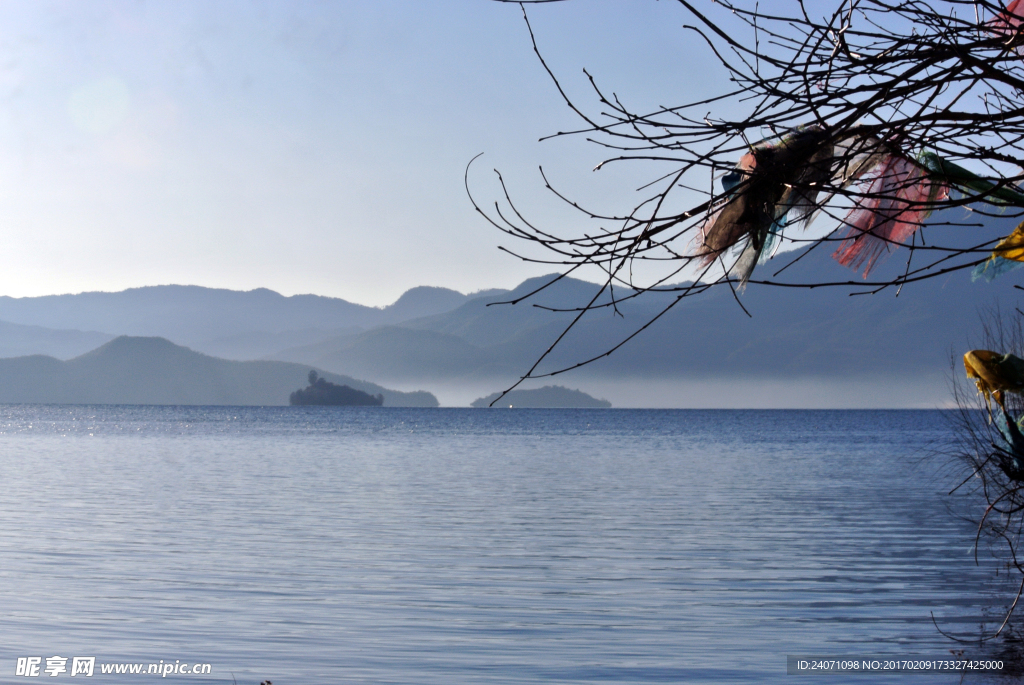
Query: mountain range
(767,346)
(226,323)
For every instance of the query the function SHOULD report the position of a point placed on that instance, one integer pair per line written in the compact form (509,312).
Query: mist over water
(370,545)
(865,392)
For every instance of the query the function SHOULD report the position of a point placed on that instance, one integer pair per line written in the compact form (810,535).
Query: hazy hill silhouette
(147,370)
(422,301)
(434,335)
(791,333)
(550,396)
(235,324)
(17,340)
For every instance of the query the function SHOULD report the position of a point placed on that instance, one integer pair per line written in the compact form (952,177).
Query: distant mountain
(261,344)
(186,313)
(548,397)
(422,301)
(397,352)
(233,324)
(139,370)
(17,340)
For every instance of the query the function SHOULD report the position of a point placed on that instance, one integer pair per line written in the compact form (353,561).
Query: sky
(308,147)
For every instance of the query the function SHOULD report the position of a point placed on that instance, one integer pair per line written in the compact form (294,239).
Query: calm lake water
(385,545)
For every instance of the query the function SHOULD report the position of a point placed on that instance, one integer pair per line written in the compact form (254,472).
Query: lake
(386,545)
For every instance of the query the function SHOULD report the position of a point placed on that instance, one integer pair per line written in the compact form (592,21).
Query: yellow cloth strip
(1012,246)
(995,373)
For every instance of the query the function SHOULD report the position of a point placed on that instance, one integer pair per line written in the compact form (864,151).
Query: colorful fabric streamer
(963,180)
(776,178)
(995,373)
(1007,255)
(1010,455)
(779,183)
(1008,23)
(898,199)
(903,192)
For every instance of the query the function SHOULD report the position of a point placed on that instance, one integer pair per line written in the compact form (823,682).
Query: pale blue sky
(306,147)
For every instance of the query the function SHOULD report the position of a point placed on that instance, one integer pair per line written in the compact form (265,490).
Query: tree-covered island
(324,393)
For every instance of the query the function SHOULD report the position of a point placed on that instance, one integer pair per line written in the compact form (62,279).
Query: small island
(548,397)
(326,394)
